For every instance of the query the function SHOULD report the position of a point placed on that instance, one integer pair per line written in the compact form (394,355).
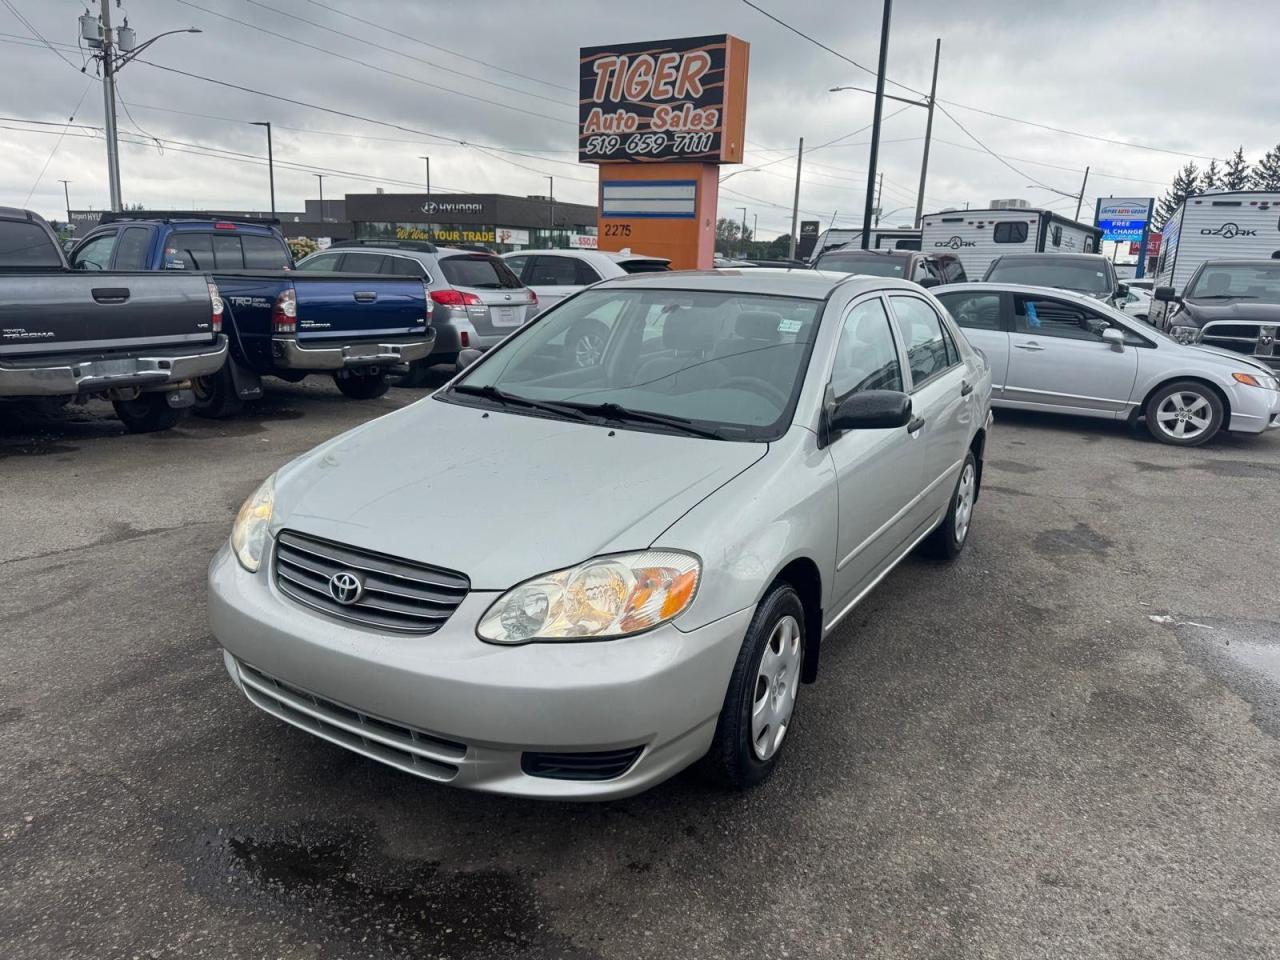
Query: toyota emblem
(346,587)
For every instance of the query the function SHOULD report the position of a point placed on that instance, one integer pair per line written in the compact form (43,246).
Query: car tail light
(284,316)
(533,298)
(224,226)
(216,307)
(455,298)
(464,339)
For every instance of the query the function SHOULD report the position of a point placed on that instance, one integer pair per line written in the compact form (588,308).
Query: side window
(186,249)
(977,311)
(953,270)
(925,269)
(1056,318)
(517,265)
(322,262)
(227,253)
(867,358)
(407,267)
(586,273)
(362,262)
(265,253)
(131,251)
(96,254)
(1057,235)
(921,331)
(554,272)
(1010,231)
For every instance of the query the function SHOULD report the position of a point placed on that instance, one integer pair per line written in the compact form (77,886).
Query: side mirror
(870,410)
(1164,294)
(930,282)
(1114,337)
(1122,289)
(467,357)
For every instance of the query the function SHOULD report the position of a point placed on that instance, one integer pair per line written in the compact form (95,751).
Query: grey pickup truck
(137,339)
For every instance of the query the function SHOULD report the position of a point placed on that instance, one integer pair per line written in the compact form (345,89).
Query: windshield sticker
(789,326)
(1032,319)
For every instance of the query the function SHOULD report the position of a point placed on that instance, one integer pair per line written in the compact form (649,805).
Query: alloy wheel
(964,501)
(776,686)
(1184,415)
(588,350)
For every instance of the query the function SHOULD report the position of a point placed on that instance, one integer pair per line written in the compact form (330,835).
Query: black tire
(364,386)
(947,542)
(734,759)
(418,375)
(148,413)
(215,395)
(1176,413)
(586,341)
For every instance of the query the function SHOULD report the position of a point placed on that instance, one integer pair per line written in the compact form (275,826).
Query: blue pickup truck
(359,329)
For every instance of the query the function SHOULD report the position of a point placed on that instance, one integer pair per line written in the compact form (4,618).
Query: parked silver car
(667,535)
(556,274)
(1062,352)
(476,299)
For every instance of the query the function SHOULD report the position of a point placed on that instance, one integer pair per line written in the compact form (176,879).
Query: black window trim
(903,369)
(943,319)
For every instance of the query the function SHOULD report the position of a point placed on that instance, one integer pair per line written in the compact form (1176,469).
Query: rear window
(869,264)
(265,253)
(227,253)
(25,244)
(478,270)
(644,266)
(186,249)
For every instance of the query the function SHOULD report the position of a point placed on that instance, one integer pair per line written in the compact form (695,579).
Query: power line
(39,36)
(965,130)
(62,136)
(1054,166)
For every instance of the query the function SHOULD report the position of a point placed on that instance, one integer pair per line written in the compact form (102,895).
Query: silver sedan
(669,534)
(1061,352)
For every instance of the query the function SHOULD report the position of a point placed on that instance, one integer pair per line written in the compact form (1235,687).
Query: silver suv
(476,299)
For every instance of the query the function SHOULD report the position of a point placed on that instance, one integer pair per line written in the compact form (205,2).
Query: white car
(556,274)
(1136,302)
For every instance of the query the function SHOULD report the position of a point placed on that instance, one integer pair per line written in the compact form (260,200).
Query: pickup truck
(359,329)
(136,339)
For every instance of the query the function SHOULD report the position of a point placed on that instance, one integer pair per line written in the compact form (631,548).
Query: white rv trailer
(882,238)
(1242,225)
(979,236)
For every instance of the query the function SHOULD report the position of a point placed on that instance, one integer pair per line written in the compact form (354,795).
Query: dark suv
(926,269)
(1230,304)
(1089,273)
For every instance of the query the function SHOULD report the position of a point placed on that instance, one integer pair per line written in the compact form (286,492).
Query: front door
(1058,360)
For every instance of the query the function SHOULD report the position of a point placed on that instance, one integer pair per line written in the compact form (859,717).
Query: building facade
(492,220)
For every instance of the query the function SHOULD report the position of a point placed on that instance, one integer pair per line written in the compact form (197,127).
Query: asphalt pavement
(1065,745)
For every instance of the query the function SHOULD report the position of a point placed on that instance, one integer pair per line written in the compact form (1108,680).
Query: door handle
(110,294)
(365,296)
(1032,345)
(915,424)
(966,388)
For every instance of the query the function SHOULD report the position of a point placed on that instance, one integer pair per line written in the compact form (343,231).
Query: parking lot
(1062,746)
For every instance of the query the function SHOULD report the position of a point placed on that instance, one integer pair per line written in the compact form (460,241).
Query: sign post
(658,118)
(1126,219)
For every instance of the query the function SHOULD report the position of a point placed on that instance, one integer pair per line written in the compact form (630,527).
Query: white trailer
(882,238)
(979,236)
(1243,225)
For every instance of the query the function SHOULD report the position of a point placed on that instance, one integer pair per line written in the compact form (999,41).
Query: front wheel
(147,413)
(363,386)
(1184,414)
(759,705)
(948,540)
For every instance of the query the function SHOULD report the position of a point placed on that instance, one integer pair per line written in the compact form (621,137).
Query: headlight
(1184,334)
(1263,380)
(249,535)
(603,598)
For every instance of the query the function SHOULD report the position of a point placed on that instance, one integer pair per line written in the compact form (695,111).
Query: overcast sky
(1181,76)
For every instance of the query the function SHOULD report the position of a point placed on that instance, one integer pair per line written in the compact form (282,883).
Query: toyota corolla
(668,534)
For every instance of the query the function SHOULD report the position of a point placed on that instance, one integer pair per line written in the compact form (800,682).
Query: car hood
(498,496)
(1236,360)
(1244,311)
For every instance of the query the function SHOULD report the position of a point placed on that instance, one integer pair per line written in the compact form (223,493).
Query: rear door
(982,317)
(554,277)
(1059,361)
(505,303)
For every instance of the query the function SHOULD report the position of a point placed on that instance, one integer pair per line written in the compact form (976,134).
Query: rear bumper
(147,371)
(287,352)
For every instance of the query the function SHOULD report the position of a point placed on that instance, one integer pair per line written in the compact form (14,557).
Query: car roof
(1091,257)
(845,248)
(1250,262)
(613,255)
(997,286)
(775,281)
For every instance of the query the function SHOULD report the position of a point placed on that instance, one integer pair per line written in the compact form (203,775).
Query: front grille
(415,751)
(597,765)
(394,594)
(1251,339)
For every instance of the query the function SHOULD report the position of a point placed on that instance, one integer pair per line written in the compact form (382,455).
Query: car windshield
(1081,276)
(870,264)
(724,364)
(1244,281)
(480,270)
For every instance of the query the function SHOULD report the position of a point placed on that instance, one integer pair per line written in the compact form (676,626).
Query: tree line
(1236,174)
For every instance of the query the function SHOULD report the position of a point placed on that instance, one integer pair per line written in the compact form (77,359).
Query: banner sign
(447,233)
(583,241)
(1123,218)
(663,100)
(513,235)
(660,199)
(808,238)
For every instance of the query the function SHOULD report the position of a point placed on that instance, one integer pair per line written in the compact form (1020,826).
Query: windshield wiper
(490,392)
(615,411)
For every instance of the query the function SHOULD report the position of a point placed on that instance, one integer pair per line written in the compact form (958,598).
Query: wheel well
(1141,411)
(978,445)
(803,576)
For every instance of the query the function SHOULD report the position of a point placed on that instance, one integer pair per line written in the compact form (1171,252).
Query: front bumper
(451,708)
(63,377)
(289,353)
(1254,410)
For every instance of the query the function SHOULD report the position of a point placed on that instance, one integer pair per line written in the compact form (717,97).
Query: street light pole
(1080,199)
(323,218)
(928,130)
(879,197)
(743,235)
(109,107)
(755,228)
(271,164)
(66,192)
(795,206)
(875,125)
(551,184)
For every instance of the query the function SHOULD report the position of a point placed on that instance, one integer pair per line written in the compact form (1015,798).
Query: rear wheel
(1185,414)
(948,540)
(147,413)
(760,703)
(216,395)
(362,386)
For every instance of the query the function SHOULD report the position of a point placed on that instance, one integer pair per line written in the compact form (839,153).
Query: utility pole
(323,218)
(109,107)
(743,236)
(795,205)
(879,197)
(271,164)
(928,130)
(875,124)
(66,192)
(755,228)
(1080,199)
(551,185)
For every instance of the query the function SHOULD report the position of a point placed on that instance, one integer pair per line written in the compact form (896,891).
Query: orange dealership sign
(665,100)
